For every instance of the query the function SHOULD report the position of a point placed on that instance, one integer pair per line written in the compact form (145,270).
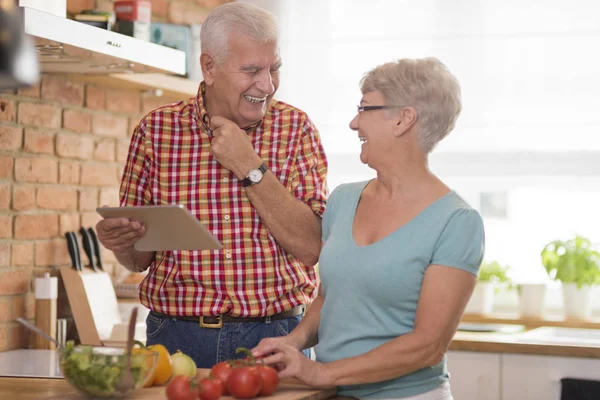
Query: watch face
(255,175)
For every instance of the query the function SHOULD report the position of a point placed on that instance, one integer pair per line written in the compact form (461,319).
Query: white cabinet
(474,375)
(492,376)
(64,45)
(528,377)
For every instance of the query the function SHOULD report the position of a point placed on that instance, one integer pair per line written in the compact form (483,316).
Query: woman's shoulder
(457,211)
(345,194)
(453,209)
(346,189)
(453,202)
(461,239)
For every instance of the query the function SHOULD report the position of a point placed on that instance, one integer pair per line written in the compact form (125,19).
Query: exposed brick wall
(63,144)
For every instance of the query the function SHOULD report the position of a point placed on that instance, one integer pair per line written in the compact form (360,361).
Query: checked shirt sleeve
(135,184)
(309,180)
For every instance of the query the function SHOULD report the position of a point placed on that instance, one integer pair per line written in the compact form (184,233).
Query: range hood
(71,47)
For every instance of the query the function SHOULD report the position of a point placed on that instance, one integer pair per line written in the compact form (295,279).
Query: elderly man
(251,169)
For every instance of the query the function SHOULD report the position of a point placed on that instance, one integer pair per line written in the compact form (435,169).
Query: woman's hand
(292,363)
(272,342)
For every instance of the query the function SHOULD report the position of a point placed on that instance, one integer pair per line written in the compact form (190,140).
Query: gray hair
(425,84)
(243,18)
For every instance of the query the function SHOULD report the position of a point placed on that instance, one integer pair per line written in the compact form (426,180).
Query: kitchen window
(527,145)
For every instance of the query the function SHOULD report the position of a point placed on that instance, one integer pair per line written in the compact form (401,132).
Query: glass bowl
(97,372)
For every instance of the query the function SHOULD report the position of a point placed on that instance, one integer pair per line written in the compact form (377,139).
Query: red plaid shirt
(170,162)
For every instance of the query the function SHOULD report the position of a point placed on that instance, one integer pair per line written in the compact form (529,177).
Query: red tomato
(210,389)
(180,388)
(239,362)
(221,372)
(270,379)
(244,382)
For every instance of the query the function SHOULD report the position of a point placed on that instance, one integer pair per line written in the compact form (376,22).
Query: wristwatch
(255,176)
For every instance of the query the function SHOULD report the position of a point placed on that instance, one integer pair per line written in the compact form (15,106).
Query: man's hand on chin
(232,148)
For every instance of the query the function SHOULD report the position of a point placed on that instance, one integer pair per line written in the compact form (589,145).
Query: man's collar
(201,108)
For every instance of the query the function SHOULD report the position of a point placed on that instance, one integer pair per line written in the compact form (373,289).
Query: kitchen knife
(77,251)
(94,239)
(71,245)
(88,247)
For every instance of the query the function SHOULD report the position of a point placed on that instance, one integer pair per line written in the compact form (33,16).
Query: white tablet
(169,227)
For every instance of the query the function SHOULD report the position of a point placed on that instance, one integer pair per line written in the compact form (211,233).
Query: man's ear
(405,121)
(207,62)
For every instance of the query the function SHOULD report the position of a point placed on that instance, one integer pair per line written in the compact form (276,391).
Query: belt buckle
(213,326)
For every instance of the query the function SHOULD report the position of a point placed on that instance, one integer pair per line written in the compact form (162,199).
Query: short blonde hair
(425,84)
(244,18)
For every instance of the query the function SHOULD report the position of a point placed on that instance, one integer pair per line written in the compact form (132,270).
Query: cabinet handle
(48,47)
(121,65)
(114,44)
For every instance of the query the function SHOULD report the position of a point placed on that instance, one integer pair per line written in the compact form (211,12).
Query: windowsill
(549,319)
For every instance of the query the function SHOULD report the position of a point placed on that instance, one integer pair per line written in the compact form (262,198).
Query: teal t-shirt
(371,292)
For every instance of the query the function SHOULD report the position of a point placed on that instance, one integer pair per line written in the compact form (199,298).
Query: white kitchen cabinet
(475,375)
(67,46)
(528,377)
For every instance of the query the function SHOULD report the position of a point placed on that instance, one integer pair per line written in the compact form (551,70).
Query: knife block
(46,294)
(80,307)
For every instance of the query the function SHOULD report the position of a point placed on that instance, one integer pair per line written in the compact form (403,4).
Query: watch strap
(247,182)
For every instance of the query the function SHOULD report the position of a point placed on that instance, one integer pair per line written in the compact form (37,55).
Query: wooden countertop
(509,343)
(59,389)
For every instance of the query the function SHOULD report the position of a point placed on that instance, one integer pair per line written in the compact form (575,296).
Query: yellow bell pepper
(162,370)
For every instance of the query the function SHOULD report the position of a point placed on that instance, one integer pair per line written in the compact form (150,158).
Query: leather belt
(217,321)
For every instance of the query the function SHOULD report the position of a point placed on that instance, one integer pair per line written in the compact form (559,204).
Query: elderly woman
(400,252)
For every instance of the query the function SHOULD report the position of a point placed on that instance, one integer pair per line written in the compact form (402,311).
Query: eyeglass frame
(360,109)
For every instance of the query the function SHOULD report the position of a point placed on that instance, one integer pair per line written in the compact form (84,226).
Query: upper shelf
(170,86)
(66,46)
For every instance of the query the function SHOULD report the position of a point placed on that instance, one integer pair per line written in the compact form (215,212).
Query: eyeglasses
(372,108)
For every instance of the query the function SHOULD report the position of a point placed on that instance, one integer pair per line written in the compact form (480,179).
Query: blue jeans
(208,346)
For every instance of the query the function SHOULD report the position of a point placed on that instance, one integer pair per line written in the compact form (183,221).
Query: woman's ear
(207,63)
(405,121)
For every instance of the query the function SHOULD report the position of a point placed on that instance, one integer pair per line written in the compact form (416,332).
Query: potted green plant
(576,264)
(491,275)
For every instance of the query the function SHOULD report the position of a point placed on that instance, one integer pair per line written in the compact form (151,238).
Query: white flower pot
(482,299)
(577,301)
(532,297)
